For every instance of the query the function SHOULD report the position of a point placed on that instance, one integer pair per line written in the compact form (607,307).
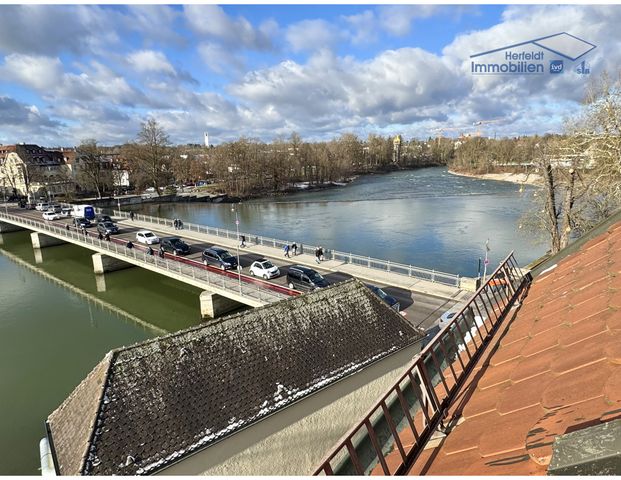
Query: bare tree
(581,169)
(149,157)
(92,169)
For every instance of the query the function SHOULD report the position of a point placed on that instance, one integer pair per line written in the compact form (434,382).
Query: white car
(264,268)
(51,215)
(147,236)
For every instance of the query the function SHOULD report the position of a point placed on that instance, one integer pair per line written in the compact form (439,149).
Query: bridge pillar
(104,263)
(214,305)
(469,284)
(9,227)
(40,240)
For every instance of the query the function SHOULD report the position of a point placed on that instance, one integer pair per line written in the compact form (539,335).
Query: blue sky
(72,72)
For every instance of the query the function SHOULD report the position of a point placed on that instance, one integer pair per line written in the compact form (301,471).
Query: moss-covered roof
(150,404)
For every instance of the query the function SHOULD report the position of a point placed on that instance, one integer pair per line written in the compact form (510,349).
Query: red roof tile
(554,368)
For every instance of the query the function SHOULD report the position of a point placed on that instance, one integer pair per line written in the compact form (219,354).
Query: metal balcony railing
(404,419)
(349,258)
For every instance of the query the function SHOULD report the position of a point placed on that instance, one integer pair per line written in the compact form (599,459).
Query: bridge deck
(373,275)
(250,291)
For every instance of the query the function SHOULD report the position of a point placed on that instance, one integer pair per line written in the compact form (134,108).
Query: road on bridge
(421,309)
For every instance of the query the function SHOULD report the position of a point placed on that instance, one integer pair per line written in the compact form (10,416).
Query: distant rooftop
(552,369)
(146,406)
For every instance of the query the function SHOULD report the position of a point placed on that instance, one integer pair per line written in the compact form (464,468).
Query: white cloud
(154,22)
(22,122)
(364,25)
(46,76)
(220,59)
(329,92)
(397,19)
(150,61)
(51,29)
(312,35)
(211,21)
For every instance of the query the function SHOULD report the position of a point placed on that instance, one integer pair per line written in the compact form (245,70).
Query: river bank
(521,178)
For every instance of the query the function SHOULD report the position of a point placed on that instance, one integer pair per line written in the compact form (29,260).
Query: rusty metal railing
(405,418)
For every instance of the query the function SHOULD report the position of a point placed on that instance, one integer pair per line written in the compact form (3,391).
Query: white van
(42,206)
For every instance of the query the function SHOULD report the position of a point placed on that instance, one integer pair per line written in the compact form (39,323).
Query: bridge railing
(404,419)
(180,266)
(349,258)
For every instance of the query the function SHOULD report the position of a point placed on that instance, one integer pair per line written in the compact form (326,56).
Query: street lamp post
(6,207)
(486,262)
(238,263)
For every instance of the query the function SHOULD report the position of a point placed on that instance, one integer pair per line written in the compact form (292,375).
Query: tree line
(249,166)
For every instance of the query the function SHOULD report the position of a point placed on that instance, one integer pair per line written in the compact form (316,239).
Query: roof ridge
(228,318)
(92,426)
(76,395)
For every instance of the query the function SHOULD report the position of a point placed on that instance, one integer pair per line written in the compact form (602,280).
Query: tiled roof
(554,368)
(171,396)
(35,155)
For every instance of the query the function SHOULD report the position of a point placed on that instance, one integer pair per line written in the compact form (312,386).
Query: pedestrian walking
(131,216)
(161,252)
(294,249)
(242,241)
(67,226)
(83,229)
(100,236)
(150,251)
(176,223)
(321,258)
(129,245)
(317,254)
(107,237)
(180,225)
(286,249)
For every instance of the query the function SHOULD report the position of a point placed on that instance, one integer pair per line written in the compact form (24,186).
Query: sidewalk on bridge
(368,274)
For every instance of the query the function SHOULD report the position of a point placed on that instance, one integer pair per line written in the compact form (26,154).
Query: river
(57,322)
(427,218)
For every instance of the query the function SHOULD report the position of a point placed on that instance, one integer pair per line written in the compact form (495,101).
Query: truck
(85,211)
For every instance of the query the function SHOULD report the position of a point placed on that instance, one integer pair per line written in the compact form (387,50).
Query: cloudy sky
(71,72)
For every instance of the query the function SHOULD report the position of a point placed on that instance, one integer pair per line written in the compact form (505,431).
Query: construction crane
(440,130)
(486,122)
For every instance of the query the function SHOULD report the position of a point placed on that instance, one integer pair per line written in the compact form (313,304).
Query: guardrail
(349,258)
(403,420)
(240,284)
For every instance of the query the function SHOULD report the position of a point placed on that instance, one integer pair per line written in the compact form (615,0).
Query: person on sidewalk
(286,249)
(131,216)
(242,241)
(317,255)
(321,257)
(150,251)
(100,236)
(107,237)
(175,224)
(161,253)
(180,224)
(294,249)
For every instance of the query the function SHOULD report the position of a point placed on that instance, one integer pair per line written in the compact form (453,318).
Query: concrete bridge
(423,294)
(222,292)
